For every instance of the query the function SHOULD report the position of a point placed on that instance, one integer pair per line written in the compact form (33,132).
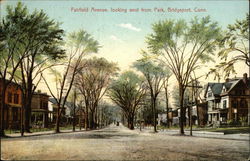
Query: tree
(45,38)
(235,48)
(92,81)
(13,49)
(36,35)
(128,92)
(154,76)
(183,47)
(79,43)
(166,91)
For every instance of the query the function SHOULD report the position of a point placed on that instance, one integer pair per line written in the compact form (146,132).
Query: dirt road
(119,143)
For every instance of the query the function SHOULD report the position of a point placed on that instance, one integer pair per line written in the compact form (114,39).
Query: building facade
(228,101)
(39,109)
(13,102)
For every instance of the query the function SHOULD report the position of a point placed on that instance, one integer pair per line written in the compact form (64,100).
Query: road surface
(119,143)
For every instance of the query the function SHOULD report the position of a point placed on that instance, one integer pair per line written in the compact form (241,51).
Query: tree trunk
(3,105)
(154,113)
(167,108)
(131,122)
(22,115)
(182,109)
(74,112)
(86,119)
(28,104)
(57,130)
(91,119)
(197,110)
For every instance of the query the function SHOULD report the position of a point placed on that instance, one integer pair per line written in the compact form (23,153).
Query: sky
(122,34)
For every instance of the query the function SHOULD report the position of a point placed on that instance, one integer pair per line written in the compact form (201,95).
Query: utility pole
(191,108)
(74,111)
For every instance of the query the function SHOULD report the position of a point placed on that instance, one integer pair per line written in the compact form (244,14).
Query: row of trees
(29,42)
(33,43)
(179,48)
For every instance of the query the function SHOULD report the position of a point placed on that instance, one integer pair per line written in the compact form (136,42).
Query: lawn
(230,130)
(225,130)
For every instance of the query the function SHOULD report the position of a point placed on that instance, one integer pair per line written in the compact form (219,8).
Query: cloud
(129,26)
(113,37)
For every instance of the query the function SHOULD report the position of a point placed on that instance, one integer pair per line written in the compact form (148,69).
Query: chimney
(245,78)
(227,80)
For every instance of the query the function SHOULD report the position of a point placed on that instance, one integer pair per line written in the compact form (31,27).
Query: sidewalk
(15,135)
(205,134)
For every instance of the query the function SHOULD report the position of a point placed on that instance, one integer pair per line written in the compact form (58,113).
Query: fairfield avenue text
(131,10)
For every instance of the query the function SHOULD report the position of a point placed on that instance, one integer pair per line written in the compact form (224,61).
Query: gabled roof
(230,85)
(215,87)
(69,105)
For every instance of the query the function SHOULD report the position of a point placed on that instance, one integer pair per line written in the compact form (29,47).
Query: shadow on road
(106,133)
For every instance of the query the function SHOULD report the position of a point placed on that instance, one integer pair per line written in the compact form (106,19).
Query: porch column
(43,119)
(35,118)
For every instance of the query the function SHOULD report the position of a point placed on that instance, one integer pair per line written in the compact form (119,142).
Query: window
(234,104)
(225,104)
(45,105)
(209,94)
(9,97)
(16,98)
(243,103)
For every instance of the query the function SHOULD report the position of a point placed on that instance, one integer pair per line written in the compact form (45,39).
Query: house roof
(39,93)
(230,85)
(52,100)
(69,105)
(10,82)
(216,88)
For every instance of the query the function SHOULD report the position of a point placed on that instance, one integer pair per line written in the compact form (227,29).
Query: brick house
(228,101)
(13,101)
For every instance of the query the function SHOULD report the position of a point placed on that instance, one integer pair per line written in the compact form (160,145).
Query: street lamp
(235,114)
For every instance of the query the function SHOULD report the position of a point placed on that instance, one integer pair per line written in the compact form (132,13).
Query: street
(119,143)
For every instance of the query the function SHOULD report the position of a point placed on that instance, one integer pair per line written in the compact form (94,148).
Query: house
(13,101)
(67,111)
(199,114)
(39,109)
(162,117)
(228,101)
(202,116)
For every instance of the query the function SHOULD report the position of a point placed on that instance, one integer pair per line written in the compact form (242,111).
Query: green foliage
(83,42)
(127,91)
(235,48)
(173,35)
(149,67)
(183,48)
(25,34)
